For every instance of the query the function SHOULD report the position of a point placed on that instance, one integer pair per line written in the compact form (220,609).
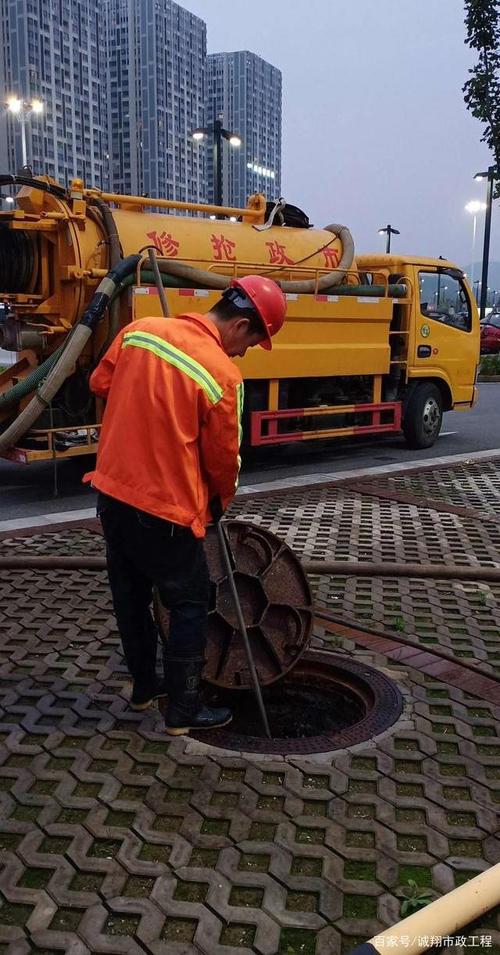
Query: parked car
(490,333)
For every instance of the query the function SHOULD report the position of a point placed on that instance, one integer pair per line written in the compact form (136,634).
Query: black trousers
(142,551)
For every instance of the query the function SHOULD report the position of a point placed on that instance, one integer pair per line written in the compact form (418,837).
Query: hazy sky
(375,128)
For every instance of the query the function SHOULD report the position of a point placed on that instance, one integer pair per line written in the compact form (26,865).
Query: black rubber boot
(186,710)
(144,697)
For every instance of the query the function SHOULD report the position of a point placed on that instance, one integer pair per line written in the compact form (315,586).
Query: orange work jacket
(171,429)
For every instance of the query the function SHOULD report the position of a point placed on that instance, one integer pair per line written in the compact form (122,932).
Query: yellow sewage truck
(372,343)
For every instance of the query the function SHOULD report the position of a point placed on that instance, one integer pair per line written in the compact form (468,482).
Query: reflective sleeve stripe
(179,359)
(240,394)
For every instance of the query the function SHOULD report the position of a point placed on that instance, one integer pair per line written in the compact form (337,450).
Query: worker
(167,465)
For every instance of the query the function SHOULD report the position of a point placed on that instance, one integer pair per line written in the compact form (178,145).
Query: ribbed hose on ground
(340,568)
(71,350)
(349,568)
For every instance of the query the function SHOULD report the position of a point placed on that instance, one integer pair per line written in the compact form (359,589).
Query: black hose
(17,259)
(109,224)
(105,289)
(8,180)
(115,254)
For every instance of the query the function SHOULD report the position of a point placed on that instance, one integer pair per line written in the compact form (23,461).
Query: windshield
(443,299)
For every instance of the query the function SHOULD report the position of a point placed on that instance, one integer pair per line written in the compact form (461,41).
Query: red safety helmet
(268,301)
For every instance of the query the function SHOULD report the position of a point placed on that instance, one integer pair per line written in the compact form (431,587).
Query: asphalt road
(26,491)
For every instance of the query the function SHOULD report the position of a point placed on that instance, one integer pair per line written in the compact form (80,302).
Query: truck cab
(435,335)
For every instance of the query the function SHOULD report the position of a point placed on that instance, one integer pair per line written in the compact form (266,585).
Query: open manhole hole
(326,702)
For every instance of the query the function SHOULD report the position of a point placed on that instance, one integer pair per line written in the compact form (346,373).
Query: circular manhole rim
(386,708)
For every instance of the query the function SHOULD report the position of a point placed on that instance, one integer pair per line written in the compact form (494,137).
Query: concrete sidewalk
(115,839)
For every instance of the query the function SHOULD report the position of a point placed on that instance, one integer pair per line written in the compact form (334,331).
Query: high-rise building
(124,84)
(156,98)
(245,92)
(54,51)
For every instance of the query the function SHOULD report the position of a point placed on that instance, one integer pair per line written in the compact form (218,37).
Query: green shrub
(490,365)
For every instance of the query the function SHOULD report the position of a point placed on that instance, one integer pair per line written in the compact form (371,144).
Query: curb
(270,487)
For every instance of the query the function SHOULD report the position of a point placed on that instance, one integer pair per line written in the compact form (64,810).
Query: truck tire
(423,416)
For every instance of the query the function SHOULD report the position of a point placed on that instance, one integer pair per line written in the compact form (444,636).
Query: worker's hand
(216,509)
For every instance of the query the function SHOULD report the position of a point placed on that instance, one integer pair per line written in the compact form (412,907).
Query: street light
(474,207)
(22,110)
(217,130)
(490,175)
(388,231)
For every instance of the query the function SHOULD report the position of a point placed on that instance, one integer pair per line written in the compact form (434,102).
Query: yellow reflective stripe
(240,394)
(179,359)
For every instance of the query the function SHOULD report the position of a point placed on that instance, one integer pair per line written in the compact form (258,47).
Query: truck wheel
(423,416)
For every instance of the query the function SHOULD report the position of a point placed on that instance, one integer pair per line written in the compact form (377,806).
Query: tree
(482,90)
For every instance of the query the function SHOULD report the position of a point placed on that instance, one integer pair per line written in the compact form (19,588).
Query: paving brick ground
(114,839)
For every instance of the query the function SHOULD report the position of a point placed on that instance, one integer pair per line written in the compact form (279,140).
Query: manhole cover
(276,602)
(325,703)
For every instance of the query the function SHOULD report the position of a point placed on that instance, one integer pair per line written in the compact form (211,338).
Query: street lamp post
(474,207)
(23,111)
(217,161)
(490,175)
(388,231)
(219,133)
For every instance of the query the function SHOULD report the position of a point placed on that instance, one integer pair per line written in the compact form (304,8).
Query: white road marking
(445,433)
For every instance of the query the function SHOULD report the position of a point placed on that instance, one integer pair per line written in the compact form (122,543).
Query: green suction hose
(31,382)
(28,384)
